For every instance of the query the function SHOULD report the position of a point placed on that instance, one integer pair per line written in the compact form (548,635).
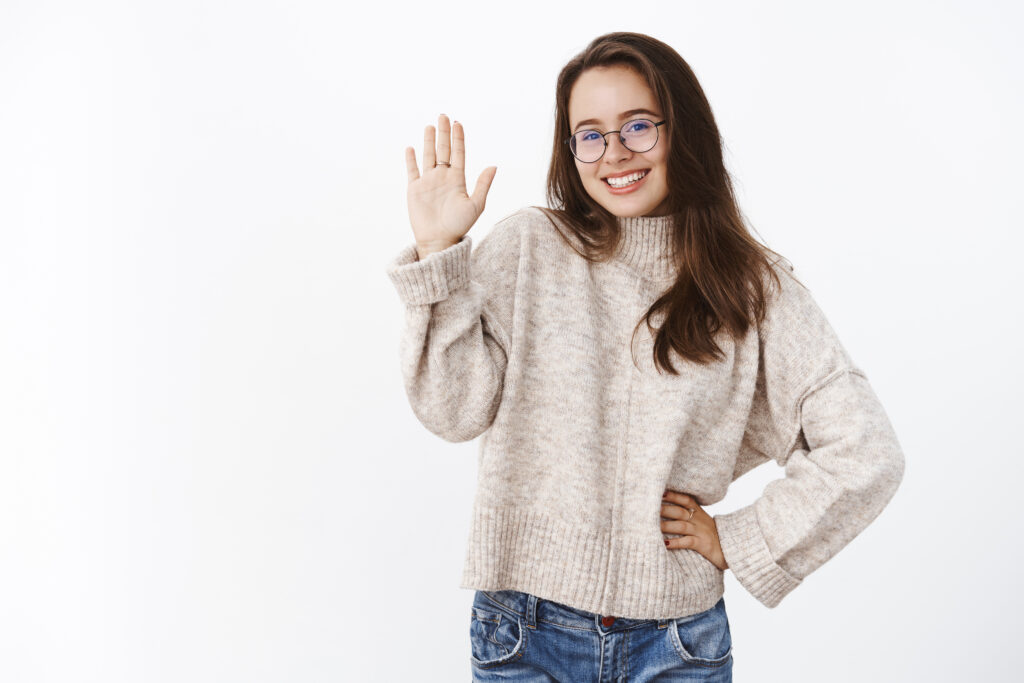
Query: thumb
(483,185)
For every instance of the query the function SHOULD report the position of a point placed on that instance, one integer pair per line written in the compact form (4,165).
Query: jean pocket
(511,602)
(703,639)
(495,637)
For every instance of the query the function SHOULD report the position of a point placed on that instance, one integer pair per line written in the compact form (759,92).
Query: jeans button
(607,621)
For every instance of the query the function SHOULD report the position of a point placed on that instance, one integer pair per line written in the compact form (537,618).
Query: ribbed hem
(435,277)
(624,575)
(749,558)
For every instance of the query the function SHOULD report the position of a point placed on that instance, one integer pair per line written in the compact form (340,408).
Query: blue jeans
(517,636)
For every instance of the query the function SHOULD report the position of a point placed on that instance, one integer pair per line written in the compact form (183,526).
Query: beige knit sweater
(525,343)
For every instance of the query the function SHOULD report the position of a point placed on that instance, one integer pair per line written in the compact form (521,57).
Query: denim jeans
(517,636)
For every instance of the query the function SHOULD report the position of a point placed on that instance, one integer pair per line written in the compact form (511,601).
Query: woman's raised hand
(440,210)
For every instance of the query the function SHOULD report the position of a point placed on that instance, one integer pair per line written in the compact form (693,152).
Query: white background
(209,470)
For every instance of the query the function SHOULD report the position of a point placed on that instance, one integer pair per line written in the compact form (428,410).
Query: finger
(680,527)
(681,542)
(458,146)
(674,511)
(679,499)
(411,170)
(483,185)
(697,543)
(429,158)
(444,139)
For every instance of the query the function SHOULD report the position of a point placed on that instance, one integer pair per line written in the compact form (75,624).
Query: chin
(626,206)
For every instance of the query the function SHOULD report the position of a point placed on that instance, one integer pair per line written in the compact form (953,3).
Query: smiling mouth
(632,178)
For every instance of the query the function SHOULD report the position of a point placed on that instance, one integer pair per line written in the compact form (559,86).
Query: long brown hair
(721,270)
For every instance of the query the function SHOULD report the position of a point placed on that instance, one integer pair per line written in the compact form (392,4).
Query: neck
(647,245)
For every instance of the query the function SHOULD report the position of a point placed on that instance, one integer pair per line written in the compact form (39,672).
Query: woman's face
(603,99)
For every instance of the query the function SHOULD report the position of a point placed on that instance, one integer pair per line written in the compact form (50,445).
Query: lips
(629,187)
(634,178)
(625,173)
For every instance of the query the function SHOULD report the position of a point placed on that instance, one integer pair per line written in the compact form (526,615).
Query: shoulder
(502,247)
(786,293)
(796,329)
(515,223)
(511,231)
(527,219)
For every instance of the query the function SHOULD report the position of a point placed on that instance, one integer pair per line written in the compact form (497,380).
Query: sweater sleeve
(458,312)
(815,413)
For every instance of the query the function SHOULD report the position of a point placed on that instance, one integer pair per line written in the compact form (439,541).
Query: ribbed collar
(647,245)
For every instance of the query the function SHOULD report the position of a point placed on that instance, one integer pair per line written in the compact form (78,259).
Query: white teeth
(626,180)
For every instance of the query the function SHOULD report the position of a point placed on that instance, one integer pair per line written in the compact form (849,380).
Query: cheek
(589,178)
(662,172)
(662,187)
(584,174)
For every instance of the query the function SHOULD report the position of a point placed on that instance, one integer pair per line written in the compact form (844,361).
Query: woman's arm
(816,414)
(459,304)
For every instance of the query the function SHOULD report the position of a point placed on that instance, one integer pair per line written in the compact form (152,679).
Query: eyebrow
(623,115)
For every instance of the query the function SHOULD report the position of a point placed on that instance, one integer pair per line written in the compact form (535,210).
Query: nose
(615,146)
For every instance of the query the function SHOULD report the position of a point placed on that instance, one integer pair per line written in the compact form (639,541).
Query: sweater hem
(523,549)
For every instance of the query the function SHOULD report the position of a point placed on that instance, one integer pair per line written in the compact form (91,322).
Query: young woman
(590,551)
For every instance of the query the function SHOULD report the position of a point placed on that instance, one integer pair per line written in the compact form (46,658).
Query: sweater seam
(616,501)
(504,340)
(795,426)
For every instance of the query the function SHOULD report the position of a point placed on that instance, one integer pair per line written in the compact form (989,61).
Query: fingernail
(665,495)
(666,541)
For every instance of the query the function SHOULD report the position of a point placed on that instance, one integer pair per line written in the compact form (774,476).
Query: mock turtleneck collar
(647,245)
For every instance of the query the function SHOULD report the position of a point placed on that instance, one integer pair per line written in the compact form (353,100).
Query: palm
(440,209)
(439,203)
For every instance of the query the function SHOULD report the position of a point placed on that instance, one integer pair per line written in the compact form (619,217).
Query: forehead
(605,92)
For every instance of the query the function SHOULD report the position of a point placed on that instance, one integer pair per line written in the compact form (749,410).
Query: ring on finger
(692,510)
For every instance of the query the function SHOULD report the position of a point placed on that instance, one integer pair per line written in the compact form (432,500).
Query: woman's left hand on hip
(699,530)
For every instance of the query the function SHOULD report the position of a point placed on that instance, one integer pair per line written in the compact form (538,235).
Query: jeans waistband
(533,609)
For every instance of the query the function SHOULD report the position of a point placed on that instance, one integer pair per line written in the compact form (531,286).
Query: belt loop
(531,611)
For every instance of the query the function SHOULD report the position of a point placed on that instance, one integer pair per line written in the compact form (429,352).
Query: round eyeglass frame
(605,139)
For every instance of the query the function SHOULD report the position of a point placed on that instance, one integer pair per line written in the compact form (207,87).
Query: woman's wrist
(425,250)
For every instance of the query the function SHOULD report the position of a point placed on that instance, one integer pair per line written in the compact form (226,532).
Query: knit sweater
(526,344)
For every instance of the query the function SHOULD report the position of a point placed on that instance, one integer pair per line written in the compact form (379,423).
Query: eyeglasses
(639,135)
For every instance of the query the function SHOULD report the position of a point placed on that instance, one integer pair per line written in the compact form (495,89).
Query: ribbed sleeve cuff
(432,279)
(749,558)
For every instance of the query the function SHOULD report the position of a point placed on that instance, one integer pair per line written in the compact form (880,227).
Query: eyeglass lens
(639,135)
